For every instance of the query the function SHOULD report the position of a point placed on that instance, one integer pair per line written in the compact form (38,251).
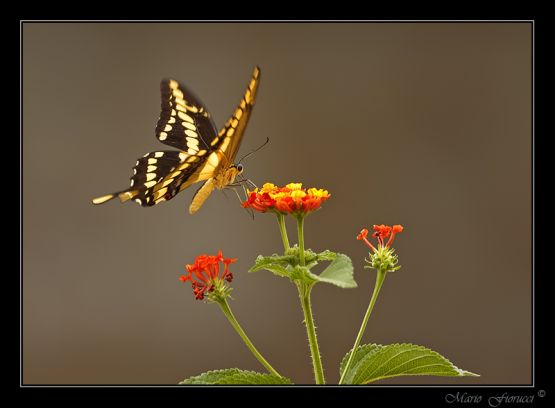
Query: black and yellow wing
(185,124)
(230,136)
(184,121)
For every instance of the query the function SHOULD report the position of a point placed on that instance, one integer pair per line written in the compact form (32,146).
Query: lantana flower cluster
(291,199)
(204,275)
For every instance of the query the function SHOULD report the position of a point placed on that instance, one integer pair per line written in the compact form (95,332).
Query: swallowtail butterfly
(204,153)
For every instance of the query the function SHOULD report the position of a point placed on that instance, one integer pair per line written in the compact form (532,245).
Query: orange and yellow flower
(291,199)
(204,274)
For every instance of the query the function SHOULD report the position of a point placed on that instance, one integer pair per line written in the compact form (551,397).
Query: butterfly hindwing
(152,167)
(174,170)
(184,121)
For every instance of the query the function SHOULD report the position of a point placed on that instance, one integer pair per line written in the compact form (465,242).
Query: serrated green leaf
(275,264)
(326,255)
(365,349)
(235,376)
(339,273)
(379,362)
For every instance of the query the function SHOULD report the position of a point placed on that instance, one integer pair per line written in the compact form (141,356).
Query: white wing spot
(138,200)
(158,154)
(163,136)
(192,141)
(189,126)
(177,93)
(185,117)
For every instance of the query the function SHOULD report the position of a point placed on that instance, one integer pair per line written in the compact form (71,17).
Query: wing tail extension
(123,196)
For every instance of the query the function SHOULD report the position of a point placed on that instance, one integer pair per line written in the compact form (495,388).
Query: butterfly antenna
(255,150)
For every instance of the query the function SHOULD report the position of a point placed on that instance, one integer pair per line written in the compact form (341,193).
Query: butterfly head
(233,171)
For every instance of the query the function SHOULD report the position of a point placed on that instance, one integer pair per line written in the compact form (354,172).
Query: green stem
(300,233)
(304,294)
(283,231)
(227,311)
(380,277)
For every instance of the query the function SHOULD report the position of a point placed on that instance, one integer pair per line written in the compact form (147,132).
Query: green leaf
(339,273)
(375,362)
(235,376)
(326,255)
(275,264)
(362,351)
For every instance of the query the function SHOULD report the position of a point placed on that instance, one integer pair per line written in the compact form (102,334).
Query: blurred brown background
(427,125)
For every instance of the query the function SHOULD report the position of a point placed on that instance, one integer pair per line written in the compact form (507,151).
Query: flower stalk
(224,306)
(300,235)
(304,294)
(380,277)
(283,231)
(383,259)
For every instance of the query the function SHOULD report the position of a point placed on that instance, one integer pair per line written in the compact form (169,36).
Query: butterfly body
(204,154)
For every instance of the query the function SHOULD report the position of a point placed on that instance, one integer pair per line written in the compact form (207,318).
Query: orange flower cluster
(204,274)
(380,233)
(291,199)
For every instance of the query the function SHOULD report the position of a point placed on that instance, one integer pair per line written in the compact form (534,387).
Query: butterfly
(204,153)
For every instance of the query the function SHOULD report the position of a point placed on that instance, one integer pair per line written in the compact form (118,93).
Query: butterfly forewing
(184,121)
(229,138)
